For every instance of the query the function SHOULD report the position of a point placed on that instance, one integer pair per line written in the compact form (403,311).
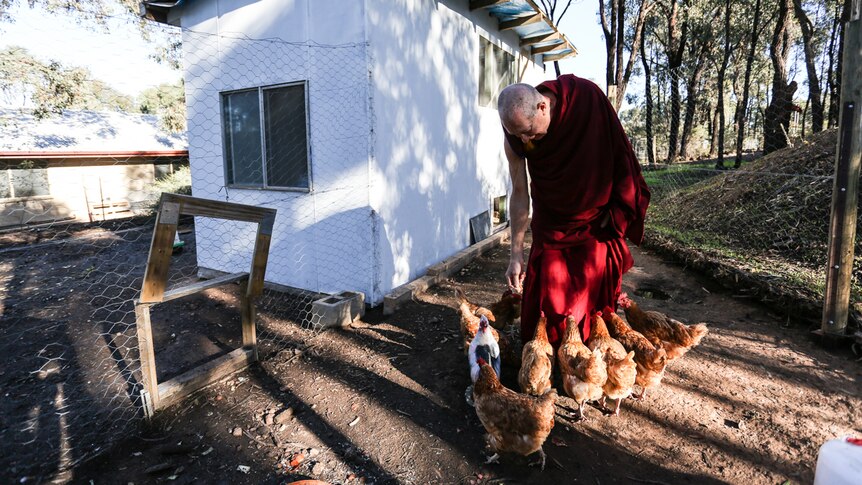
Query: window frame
(514,68)
(223,96)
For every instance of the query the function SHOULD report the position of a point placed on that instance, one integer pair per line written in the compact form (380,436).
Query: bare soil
(383,401)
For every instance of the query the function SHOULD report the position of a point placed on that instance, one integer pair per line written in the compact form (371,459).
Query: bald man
(588,196)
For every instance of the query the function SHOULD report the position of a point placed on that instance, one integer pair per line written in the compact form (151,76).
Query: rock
(284,415)
(318,469)
(236,431)
(267,418)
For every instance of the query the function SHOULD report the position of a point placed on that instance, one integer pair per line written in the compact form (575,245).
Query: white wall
(322,241)
(438,156)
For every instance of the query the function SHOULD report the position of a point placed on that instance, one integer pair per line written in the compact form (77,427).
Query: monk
(588,195)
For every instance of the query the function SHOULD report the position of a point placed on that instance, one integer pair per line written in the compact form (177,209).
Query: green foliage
(167,101)
(53,87)
(178,182)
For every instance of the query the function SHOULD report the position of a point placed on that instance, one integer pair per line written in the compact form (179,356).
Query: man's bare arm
(519,207)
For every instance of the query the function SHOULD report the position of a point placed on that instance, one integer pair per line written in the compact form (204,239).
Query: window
(499,211)
(25,180)
(496,71)
(266,137)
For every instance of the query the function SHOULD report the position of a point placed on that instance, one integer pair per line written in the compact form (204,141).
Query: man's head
(524,112)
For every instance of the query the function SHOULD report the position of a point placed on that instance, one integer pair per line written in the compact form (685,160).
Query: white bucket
(839,462)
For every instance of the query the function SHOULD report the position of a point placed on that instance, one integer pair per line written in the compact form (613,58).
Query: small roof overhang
(536,31)
(534,28)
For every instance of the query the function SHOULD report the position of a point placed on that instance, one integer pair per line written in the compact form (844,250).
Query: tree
(550,9)
(807,29)
(777,115)
(650,139)
(167,101)
(742,105)
(721,72)
(616,76)
(674,45)
(49,87)
(700,51)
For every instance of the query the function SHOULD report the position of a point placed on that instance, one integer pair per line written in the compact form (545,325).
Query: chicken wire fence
(78,214)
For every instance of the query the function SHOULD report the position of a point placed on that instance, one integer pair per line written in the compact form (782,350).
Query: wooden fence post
(842,227)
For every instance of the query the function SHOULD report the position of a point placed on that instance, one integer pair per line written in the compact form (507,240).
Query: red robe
(583,169)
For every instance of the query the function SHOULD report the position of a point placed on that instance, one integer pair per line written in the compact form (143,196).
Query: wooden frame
(154,395)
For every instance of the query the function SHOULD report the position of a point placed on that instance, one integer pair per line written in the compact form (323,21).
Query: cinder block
(339,310)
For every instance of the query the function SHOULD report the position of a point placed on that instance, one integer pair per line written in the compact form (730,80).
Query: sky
(119,57)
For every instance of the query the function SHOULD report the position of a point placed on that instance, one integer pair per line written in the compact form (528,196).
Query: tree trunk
(675,49)
(703,52)
(617,77)
(719,163)
(835,88)
(810,59)
(742,106)
(648,91)
(608,27)
(776,118)
(713,132)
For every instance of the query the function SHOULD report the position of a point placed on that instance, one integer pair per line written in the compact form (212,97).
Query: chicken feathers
(516,423)
(537,357)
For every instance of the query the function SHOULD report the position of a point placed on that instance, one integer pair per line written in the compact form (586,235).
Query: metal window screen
(286,137)
(242,138)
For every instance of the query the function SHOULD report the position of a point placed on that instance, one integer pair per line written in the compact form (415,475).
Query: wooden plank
(258,263)
(148,357)
(161,249)
(517,22)
(547,48)
(172,391)
(477,4)
(219,209)
(540,38)
(249,331)
(200,286)
(557,57)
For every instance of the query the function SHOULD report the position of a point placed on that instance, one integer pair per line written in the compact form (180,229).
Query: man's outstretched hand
(515,275)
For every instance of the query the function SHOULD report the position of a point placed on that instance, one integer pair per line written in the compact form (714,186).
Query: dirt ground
(383,402)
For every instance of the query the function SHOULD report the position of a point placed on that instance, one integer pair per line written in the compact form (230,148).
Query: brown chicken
(516,423)
(622,369)
(651,360)
(470,321)
(674,336)
(584,372)
(501,314)
(537,361)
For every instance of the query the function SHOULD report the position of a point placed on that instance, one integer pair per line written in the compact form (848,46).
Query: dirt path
(384,403)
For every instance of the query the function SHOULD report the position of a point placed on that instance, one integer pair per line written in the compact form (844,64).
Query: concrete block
(339,310)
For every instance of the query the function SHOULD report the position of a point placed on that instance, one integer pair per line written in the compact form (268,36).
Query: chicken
(584,372)
(651,360)
(501,314)
(537,361)
(507,310)
(470,321)
(674,336)
(622,369)
(516,423)
(621,380)
(484,346)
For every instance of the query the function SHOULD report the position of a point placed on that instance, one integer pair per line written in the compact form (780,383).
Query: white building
(370,125)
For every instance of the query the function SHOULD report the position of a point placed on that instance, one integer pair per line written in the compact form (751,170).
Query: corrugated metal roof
(92,132)
(524,17)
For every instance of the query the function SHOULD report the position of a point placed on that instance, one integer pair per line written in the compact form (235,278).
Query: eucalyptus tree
(622,31)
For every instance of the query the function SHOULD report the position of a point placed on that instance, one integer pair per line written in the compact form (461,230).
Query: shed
(81,165)
(370,125)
